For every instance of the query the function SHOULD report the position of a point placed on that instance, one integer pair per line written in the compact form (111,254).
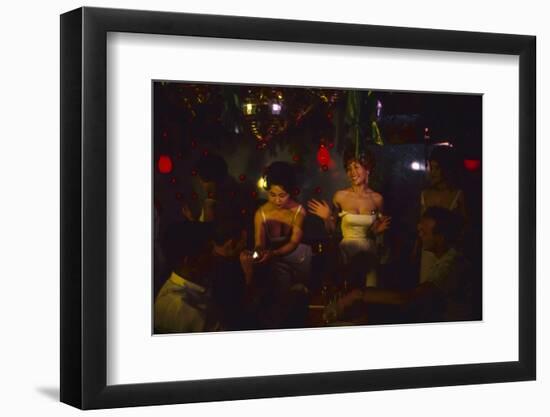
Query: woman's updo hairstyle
(282,174)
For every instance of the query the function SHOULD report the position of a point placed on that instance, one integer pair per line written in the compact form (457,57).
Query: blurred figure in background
(443,192)
(222,191)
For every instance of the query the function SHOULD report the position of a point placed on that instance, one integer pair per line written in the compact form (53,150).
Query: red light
(323,156)
(242,177)
(295,158)
(254,194)
(173,180)
(318,190)
(472,164)
(331,145)
(243,211)
(165,164)
(165,134)
(194,172)
(193,143)
(204,153)
(324,167)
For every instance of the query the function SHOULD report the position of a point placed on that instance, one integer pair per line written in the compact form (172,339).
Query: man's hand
(247,262)
(347,300)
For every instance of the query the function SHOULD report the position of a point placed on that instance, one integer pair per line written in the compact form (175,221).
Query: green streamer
(353,113)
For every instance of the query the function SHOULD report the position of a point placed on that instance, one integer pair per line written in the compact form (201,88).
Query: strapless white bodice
(355,226)
(356,240)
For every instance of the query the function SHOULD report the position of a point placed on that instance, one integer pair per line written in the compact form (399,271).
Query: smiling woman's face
(357,173)
(277,196)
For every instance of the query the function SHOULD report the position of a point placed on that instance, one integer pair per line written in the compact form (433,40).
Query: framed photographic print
(258,208)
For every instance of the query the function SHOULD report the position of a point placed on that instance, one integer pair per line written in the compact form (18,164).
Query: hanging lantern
(165,164)
(472,164)
(264,112)
(323,156)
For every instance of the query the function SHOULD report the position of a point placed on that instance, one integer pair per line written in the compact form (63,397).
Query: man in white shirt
(194,297)
(446,293)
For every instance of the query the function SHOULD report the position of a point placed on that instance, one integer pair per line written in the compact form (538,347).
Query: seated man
(191,300)
(446,294)
(226,275)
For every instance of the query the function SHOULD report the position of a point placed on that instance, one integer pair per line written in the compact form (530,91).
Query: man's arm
(423,293)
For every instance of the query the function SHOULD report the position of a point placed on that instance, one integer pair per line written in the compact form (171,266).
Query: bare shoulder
(260,209)
(300,211)
(340,195)
(377,197)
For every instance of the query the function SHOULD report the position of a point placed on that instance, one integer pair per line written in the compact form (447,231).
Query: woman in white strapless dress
(356,238)
(359,209)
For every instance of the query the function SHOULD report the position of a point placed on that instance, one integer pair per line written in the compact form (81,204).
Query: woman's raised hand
(319,208)
(381,225)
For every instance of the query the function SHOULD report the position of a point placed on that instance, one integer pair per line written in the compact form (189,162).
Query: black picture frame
(84,207)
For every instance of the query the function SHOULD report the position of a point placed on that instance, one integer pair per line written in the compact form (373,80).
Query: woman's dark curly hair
(365,158)
(282,174)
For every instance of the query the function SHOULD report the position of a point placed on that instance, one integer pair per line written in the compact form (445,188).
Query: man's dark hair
(447,223)
(282,174)
(212,168)
(183,239)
